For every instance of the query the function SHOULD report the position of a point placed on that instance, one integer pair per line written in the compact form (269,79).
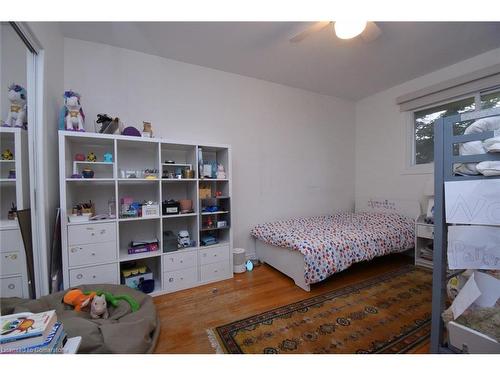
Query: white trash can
(239,260)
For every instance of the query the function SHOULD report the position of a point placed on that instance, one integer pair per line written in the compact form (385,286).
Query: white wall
(381,135)
(293,150)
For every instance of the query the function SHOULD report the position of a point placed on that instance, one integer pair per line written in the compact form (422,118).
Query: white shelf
(108,184)
(209,229)
(177,165)
(173,216)
(122,219)
(178,179)
(9,224)
(136,180)
(92,222)
(94,162)
(125,256)
(215,213)
(8,180)
(220,243)
(7,161)
(90,180)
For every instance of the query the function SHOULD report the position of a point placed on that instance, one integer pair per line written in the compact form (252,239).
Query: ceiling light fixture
(348,29)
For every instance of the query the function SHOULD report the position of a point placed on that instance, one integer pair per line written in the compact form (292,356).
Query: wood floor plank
(186,315)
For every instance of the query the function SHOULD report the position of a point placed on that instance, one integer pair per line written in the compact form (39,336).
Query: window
(423,122)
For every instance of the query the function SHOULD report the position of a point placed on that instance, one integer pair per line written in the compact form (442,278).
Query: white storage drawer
(107,273)
(11,287)
(471,341)
(173,261)
(11,240)
(180,279)
(215,271)
(80,255)
(91,233)
(11,263)
(425,231)
(214,254)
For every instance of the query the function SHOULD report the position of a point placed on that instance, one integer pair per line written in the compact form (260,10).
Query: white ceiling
(349,69)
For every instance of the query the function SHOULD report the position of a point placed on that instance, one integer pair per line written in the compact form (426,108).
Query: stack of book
(32,333)
(137,247)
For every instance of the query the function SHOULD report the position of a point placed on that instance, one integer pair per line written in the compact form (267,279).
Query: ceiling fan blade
(318,26)
(371,32)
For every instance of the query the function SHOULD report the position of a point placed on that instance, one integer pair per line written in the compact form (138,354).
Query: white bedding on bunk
(487,168)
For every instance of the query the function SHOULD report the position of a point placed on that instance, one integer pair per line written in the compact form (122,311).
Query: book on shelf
(137,247)
(26,329)
(53,343)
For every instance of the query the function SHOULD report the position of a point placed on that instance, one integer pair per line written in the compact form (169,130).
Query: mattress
(332,243)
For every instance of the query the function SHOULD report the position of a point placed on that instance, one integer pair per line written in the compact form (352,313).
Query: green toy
(113,300)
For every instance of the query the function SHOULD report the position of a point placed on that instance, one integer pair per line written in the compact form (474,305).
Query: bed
(309,250)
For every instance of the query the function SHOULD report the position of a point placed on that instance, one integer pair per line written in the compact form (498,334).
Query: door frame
(35,90)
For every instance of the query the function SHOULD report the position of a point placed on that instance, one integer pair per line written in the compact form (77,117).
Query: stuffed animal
(76,298)
(91,157)
(17,109)
(74,118)
(221,174)
(113,300)
(99,308)
(7,155)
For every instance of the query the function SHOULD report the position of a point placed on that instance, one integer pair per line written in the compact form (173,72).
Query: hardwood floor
(186,315)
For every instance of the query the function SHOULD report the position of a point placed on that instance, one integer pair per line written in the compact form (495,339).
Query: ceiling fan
(368,31)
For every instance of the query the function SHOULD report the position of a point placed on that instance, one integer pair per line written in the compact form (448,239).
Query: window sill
(418,169)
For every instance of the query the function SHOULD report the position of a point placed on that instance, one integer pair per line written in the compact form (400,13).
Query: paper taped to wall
(468,294)
(473,247)
(473,202)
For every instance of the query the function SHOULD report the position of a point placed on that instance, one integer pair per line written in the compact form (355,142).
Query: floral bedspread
(331,244)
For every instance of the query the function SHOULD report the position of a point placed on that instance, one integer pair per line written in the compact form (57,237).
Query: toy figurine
(147,131)
(79,157)
(17,110)
(99,308)
(91,157)
(183,239)
(73,117)
(108,157)
(7,155)
(221,174)
(12,174)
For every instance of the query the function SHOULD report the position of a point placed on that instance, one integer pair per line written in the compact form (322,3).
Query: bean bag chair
(123,332)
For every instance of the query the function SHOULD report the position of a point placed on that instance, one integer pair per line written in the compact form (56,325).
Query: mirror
(17,275)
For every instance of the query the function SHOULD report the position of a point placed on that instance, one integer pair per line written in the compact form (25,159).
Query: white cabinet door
(173,261)
(180,279)
(214,254)
(104,274)
(215,271)
(91,233)
(80,255)
(11,287)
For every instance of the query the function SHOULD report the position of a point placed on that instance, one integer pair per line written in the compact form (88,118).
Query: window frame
(410,165)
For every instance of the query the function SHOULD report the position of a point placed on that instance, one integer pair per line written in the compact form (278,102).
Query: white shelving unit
(96,251)
(13,270)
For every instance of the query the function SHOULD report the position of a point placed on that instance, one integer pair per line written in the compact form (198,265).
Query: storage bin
(470,341)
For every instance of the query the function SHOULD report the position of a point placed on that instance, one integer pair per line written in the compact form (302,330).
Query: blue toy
(108,157)
(249,265)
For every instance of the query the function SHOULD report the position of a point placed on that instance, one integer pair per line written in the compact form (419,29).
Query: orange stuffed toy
(76,298)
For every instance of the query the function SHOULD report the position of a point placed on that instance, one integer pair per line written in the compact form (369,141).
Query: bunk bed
(445,158)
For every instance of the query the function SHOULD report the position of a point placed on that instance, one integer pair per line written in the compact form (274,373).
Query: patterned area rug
(387,314)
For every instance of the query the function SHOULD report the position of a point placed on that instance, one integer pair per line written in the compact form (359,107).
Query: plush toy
(73,116)
(78,299)
(221,174)
(113,300)
(17,109)
(99,308)
(91,157)
(7,155)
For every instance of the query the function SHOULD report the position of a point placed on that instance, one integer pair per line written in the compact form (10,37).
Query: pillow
(489,168)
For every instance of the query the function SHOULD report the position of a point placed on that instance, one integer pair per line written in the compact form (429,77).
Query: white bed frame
(291,262)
